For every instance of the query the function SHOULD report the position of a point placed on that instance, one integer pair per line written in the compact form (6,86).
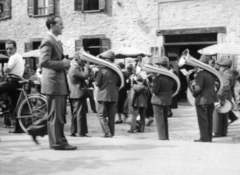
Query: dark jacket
(140,95)
(54,79)
(229,81)
(107,81)
(76,81)
(162,90)
(204,92)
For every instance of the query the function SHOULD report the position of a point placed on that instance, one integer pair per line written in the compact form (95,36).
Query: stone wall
(125,22)
(203,13)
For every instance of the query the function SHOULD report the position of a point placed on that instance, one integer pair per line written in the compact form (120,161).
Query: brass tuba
(187,59)
(152,69)
(88,57)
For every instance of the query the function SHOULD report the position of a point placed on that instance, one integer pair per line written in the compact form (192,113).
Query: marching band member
(162,98)
(205,96)
(107,96)
(139,104)
(77,75)
(220,122)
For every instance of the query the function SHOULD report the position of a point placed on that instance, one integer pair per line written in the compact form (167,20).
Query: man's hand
(66,63)
(222,102)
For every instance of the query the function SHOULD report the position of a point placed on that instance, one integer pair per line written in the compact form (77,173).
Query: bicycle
(29,107)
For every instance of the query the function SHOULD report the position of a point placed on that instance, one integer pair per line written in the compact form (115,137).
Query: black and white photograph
(119,87)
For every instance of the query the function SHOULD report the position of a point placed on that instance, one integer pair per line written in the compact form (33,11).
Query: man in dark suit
(54,86)
(162,99)
(107,96)
(220,121)
(77,75)
(205,97)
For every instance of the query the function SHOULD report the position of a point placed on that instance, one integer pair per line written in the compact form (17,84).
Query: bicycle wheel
(30,110)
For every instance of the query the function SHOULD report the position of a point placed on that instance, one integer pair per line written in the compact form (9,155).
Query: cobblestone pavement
(183,126)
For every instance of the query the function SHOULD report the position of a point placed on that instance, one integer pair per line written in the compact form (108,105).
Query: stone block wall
(125,22)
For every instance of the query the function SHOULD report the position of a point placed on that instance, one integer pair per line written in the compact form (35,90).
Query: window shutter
(7,9)
(30,7)
(50,7)
(78,6)
(78,44)
(102,4)
(105,44)
(28,46)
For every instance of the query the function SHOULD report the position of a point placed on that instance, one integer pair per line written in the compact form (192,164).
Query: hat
(107,55)
(120,65)
(130,67)
(139,78)
(219,60)
(226,62)
(163,61)
(205,59)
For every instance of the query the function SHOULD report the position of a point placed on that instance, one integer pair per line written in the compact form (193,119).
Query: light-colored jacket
(54,79)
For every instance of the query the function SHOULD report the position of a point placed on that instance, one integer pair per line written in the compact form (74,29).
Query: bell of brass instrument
(152,69)
(187,59)
(90,58)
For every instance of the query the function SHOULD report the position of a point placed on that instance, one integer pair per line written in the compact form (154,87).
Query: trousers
(205,118)
(106,115)
(79,117)
(161,114)
(53,122)
(136,111)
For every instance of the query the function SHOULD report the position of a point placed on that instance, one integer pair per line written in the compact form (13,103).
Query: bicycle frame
(23,95)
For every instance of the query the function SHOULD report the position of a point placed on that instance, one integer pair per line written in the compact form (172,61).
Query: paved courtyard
(126,153)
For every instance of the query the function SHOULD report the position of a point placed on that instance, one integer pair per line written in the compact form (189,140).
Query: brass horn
(88,57)
(187,59)
(152,69)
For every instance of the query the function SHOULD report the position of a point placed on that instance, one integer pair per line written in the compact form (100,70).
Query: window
(89,5)
(40,7)
(154,51)
(33,44)
(5,9)
(3,47)
(93,44)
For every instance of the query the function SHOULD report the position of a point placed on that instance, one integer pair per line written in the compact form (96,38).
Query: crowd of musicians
(144,97)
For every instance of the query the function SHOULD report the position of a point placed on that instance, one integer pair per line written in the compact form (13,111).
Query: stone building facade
(160,26)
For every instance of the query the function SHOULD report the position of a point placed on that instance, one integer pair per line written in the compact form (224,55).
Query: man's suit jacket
(76,81)
(107,81)
(140,95)
(54,80)
(229,81)
(205,88)
(162,90)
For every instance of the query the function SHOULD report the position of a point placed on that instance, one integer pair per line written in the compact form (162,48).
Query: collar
(55,37)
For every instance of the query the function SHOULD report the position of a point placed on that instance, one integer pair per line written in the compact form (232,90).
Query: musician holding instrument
(107,81)
(220,123)
(77,74)
(162,98)
(205,97)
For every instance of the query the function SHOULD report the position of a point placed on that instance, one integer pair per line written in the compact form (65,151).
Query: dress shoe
(94,111)
(118,122)
(64,147)
(73,135)
(232,121)
(150,121)
(217,135)
(16,132)
(107,136)
(199,140)
(34,137)
(170,115)
(130,131)
(84,135)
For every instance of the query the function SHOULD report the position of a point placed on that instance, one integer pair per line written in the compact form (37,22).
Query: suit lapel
(57,44)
